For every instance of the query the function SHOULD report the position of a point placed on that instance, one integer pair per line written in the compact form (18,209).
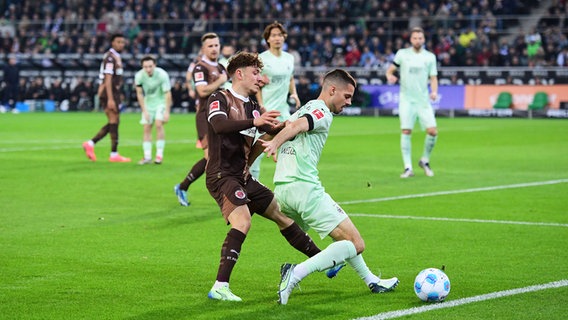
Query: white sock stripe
(388,216)
(458,302)
(441,193)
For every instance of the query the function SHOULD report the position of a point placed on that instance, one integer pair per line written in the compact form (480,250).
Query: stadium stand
(64,39)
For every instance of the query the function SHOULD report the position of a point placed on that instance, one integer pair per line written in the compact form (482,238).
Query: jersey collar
(209,62)
(245,99)
(116,53)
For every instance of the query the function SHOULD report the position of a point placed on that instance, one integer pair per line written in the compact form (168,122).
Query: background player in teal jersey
(301,195)
(278,78)
(153,90)
(416,66)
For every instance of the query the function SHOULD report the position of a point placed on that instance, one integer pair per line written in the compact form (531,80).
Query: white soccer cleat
(287,282)
(407,173)
(144,161)
(223,294)
(384,285)
(426,166)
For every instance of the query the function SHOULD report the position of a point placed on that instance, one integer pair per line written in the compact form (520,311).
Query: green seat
(540,101)
(504,100)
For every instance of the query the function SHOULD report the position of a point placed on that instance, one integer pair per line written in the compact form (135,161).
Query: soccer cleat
(333,271)
(287,282)
(145,161)
(407,173)
(426,166)
(181,195)
(118,158)
(89,151)
(158,160)
(223,294)
(384,285)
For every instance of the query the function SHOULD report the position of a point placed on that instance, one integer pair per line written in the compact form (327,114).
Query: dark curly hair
(243,60)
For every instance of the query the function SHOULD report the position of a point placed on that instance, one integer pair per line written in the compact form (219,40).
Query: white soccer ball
(432,285)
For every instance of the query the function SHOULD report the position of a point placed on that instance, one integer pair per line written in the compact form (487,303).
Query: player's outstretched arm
(290,131)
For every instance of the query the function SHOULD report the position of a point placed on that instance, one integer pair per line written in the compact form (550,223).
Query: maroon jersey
(204,73)
(112,64)
(231,136)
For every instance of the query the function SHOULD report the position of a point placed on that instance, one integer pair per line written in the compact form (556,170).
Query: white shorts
(409,112)
(155,114)
(310,206)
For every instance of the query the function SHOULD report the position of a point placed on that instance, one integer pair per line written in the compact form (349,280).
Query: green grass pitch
(84,240)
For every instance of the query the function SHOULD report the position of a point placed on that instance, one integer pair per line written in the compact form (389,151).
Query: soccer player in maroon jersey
(208,76)
(110,74)
(234,119)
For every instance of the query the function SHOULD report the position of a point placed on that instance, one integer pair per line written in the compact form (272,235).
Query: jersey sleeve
(318,118)
(138,79)
(166,84)
(397,58)
(433,67)
(217,105)
(109,66)
(200,75)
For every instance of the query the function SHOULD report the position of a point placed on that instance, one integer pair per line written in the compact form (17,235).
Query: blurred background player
(278,78)
(416,66)
(110,98)
(11,80)
(226,53)
(153,91)
(208,76)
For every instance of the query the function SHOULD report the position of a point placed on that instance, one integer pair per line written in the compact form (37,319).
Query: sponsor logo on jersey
(250,132)
(214,106)
(240,194)
(199,76)
(109,66)
(317,113)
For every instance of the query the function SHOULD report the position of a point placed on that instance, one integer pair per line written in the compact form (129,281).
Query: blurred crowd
(322,33)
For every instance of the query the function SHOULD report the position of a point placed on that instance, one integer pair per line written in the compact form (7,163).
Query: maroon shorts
(104,101)
(232,192)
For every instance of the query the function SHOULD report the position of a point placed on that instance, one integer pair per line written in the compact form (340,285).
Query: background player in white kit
(153,91)
(278,78)
(416,66)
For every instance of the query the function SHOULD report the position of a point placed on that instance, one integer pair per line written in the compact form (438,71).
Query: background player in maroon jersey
(109,93)
(208,76)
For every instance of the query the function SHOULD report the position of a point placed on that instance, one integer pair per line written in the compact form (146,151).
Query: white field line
(77,145)
(442,193)
(387,216)
(459,302)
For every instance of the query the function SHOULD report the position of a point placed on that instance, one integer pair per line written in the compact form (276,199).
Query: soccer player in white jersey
(416,66)
(278,78)
(301,195)
(153,91)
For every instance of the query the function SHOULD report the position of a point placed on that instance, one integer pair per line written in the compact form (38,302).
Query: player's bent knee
(359,245)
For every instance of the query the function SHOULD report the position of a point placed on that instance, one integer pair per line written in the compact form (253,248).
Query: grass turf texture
(83,240)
